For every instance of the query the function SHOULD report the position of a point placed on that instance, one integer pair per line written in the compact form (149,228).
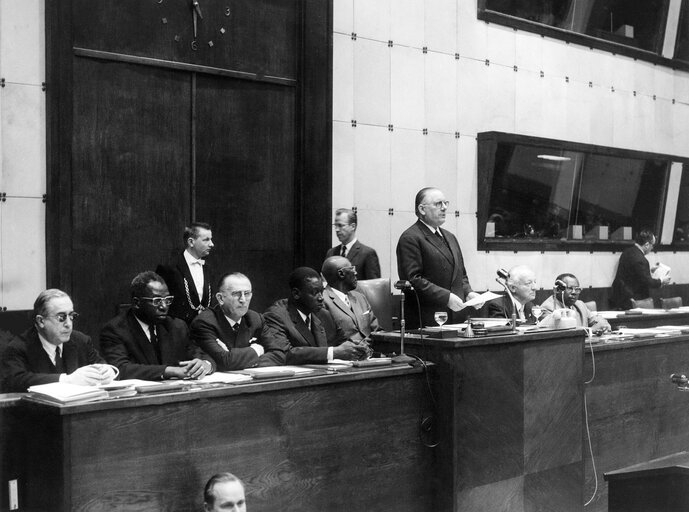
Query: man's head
(522,283)
(569,293)
(345,225)
(223,492)
(150,297)
(198,239)
(431,206)
(234,295)
(54,314)
(646,240)
(306,290)
(340,273)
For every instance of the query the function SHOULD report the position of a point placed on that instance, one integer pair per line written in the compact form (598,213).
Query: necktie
(308,322)
(442,238)
(154,341)
(59,364)
(235,327)
(343,251)
(346,301)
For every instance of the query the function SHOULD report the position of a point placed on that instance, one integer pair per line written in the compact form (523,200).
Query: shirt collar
(190,259)
(144,326)
(302,315)
(433,230)
(350,244)
(48,347)
(232,322)
(340,295)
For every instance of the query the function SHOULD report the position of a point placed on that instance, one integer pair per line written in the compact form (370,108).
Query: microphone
(560,284)
(680,380)
(403,285)
(502,273)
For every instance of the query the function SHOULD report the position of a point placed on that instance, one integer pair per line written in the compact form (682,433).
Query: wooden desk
(511,420)
(641,321)
(320,443)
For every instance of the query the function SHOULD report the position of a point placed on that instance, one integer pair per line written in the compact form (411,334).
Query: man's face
(571,293)
(50,325)
(433,208)
(235,296)
(648,246)
(228,496)
(348,276)
(201,246)
(343,229)
(524,288)
(145,307)
(310,296)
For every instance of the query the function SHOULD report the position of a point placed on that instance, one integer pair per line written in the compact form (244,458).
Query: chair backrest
(643,303)
(671,302)
(377,291)
(591,305)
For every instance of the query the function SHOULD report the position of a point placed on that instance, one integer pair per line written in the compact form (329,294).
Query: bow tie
(199,262)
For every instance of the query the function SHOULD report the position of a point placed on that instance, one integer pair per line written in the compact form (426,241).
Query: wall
(463,84)
(22,153)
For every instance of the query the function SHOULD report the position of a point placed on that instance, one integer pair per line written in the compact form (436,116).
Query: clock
(196,8)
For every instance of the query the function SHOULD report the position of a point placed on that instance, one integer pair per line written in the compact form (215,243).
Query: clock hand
(194,15)
(197,8)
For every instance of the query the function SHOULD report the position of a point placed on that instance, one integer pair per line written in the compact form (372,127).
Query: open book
(661,271)
(63,393)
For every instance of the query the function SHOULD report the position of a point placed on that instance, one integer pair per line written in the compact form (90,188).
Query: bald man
(521,282)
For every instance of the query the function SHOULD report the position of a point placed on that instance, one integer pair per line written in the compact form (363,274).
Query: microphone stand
(514,304)
(403,358)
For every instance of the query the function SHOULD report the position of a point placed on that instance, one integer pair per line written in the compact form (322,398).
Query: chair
(671,302)
(643,303)
(591,305)
(377,291)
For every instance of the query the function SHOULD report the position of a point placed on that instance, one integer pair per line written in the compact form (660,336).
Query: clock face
(207,21)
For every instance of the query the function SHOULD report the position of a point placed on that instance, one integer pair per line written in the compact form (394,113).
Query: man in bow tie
(230,332)
(188,277)
(362,256)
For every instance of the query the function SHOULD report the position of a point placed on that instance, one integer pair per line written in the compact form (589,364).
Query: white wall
(378,85)
(22,152)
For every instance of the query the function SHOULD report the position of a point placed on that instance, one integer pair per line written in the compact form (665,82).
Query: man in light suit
(349,309)
(429,258)
(293,330)
(567,292)
(52,351)
(188,277)
(363,257)
(521,283)
(145,343)
(230,332)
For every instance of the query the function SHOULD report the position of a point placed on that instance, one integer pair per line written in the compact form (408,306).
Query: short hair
(299,276)
(644,236)
(218,478)
(517,273)
(231,274)
(351,215)
(561,277)
(420,196)
(139,285)
(192,230)
(40,305)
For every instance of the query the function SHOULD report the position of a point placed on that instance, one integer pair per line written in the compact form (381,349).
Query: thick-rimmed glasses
(62,317)
(159,301)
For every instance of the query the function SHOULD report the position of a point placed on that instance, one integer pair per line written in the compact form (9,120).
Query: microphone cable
(588,430)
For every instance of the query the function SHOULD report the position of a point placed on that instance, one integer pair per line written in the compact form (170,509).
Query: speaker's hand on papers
(350,351)
(472,295)
(455,303)
(91,375)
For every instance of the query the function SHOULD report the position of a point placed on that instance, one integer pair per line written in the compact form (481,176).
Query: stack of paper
(63,393)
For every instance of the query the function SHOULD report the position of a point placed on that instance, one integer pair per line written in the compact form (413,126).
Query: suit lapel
(186,276)
(341,305)
(70,357)
(38,357)
(300,326)
(141,341)
(455,254)
(437,243)
(353,251)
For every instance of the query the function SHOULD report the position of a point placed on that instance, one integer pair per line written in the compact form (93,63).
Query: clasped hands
(192,369)
(92,375)
(353,350)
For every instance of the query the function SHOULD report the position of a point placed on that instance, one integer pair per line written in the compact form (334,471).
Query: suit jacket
(176,275)
(434,269)
(287,340)
(357,322)
(584,317)
(25,363)
(633,279)
(125,345)
(363,257)
(211,325)
(503,308)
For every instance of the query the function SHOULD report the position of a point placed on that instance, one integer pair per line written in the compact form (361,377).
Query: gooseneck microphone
(403,358)
(502,278)
(403,285)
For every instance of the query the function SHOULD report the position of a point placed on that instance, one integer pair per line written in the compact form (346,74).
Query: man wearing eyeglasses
(144,342)
(363,257)
(567,292)
(52,351)
(429,258)
(230,332)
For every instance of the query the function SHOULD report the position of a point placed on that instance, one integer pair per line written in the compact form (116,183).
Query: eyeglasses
(352,268)
(244,293)
(574,289)
(62,317)
(438,204)
(159,301)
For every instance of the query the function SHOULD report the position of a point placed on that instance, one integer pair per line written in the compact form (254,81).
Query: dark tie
(343,251)
(235,327)
(442,238)
(308,322)
(154,341)
(59,364)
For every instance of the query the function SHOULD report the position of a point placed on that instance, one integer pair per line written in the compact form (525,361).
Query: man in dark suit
(633,279)
(363,257)
(230,331)
(429,258)
(521,283)
(52,351)
(145,343)
(350,310)
(293,330)
(188,277)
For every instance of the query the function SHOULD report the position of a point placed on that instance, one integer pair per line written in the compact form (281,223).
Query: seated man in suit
(188,277)
(567,292)
(145,343)
(294,333)
(350,310)
(521,283)
(363,257)
(224,492)
(52,351)
(230,331)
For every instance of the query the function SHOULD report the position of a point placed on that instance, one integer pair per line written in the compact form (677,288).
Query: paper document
(484,297)
(65,393)
(270,369)
(226,378)
(661,271)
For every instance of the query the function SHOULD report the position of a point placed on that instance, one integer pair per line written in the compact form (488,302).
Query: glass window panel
(682,217)
(682,45)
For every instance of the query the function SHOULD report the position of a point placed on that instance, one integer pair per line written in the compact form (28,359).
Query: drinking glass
(537,311)
(440,318)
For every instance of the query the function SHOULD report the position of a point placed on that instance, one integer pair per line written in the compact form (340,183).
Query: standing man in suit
(349,309)
(52,351)
(230,331)
(363,257)
(429,258)
(633,279)
(294,333)
(188,277)
(521,283)
(145,343)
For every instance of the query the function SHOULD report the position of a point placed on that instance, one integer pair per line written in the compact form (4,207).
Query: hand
(196,368)
(108,373)
(90,375)
(665,280)
(349,351)
(258,348)
(455,303)
(472,295)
